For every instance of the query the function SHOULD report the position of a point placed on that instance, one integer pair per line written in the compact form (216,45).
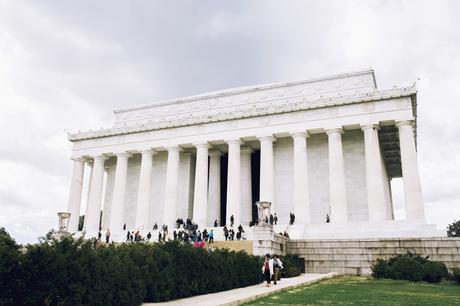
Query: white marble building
(324,146)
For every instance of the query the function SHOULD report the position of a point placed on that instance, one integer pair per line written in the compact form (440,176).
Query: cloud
(66,65)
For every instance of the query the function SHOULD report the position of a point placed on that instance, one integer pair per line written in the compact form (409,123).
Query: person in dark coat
(226,233)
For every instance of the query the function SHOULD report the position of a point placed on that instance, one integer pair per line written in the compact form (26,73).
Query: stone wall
(265,240)
(356,256)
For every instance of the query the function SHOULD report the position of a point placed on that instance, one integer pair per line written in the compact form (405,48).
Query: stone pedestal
(263,211)
(265,240)
(63,225)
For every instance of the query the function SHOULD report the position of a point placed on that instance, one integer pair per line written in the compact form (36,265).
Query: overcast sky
(65,65)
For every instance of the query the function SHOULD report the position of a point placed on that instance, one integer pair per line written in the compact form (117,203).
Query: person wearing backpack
(277,266)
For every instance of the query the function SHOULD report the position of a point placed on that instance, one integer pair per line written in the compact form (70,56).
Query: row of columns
(207,192)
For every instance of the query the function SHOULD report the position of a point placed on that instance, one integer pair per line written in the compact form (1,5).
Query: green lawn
(355,290)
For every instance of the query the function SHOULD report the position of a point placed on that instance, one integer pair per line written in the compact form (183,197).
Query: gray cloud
(65,65)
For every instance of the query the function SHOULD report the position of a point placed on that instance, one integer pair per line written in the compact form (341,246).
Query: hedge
(410,267)
(73,272)
(293,265)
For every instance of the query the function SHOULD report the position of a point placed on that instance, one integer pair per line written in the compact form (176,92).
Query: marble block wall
(355,256)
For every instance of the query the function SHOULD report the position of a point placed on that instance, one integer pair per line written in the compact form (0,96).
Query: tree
(10,269)
(453,230)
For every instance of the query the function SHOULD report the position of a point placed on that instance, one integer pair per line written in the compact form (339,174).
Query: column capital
(404,122)
(268,137)
(202,145)
(123,155)
(78,159)
(246,149)
(368,126)
(334,131)
(174,149)
(214,152)
(148,152)
(100,157)
(234,141)
(301,134)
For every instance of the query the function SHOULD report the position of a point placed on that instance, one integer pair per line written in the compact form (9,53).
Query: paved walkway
(246,294)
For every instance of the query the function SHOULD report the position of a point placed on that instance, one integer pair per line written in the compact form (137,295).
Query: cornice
(270,107)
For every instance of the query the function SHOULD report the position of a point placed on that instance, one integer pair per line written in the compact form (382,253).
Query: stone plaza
(325,148)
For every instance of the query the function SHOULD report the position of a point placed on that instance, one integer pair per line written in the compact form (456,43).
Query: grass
(355,290)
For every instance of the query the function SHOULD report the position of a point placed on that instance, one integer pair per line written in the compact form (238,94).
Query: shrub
(74,272)
(410,267)
(293,265)
(380,269)
(455,275)
(453,230)
(434,272)
(406,268)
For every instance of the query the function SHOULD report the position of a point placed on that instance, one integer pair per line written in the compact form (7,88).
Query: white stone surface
(172,188)
(200,206)
(76,188)
(411,179)
(301,189)
(118,201)
(234,181)
(342,174)
(214,187)
(374,174)
(267,179)
(337,187)
(144,191)
(91,225)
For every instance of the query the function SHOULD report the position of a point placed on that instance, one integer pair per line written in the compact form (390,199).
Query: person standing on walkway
(232,220)
(277,266)
(267,269)
(226,233)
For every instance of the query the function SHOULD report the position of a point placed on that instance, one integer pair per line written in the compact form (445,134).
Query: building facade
(327,146)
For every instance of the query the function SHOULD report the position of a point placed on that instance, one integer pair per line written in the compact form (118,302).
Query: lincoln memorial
(322,147)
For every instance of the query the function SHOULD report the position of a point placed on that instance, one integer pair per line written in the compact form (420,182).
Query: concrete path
(246,294)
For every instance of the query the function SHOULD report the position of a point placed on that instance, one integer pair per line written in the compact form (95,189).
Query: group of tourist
(229,234)
(271,269)
(187,231)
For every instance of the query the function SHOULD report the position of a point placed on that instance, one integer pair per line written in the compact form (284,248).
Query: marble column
(76,187)
(145,190)
(200,195)
(301,192)
(246,186)
(88,193)
(267,180)
(95,197)
(171,188)
(374,174)
(214,188)
(234,182)
(411,178)
(118,200)
(337,187)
